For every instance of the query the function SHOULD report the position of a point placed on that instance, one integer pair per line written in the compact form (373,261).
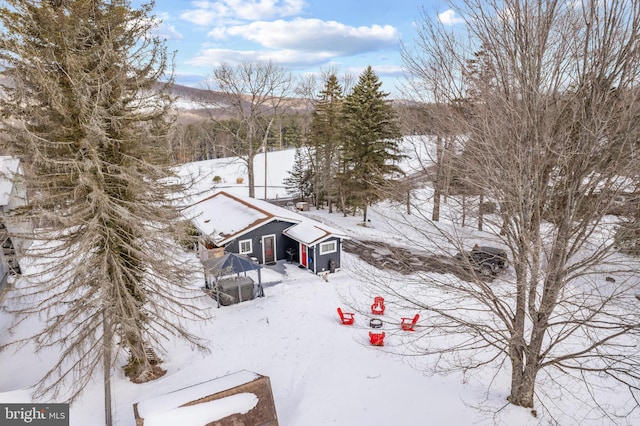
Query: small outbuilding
(242,398)
(302,206)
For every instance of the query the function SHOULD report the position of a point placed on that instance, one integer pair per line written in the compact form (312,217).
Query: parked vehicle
(485,260)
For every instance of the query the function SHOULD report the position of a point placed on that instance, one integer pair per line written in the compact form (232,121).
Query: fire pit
(375,323)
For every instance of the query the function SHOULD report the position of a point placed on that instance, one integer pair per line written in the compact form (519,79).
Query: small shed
(302,206)
(241,398)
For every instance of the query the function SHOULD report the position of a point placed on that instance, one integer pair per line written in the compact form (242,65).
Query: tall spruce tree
(299,182)
(324,138)
(82,107)
(370,151)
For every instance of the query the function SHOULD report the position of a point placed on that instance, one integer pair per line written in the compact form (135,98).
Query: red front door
(269,249)
(303,255)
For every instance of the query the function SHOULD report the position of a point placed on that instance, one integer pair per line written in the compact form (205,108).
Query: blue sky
(303,36)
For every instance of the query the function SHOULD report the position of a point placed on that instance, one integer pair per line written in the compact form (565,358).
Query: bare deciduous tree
(254,94)
(549,134)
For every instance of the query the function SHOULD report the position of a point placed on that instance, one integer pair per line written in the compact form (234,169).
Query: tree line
(347,143)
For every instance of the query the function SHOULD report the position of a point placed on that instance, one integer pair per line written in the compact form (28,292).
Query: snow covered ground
(321,372)
(419,151)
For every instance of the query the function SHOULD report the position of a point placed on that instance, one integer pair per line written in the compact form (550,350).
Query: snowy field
(321,372)
(419,152)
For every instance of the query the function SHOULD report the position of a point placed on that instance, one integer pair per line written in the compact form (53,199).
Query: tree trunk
(265,170)
(106,367)
(464,209)
(316,179)
(522,385)
(250,176)
(480,213)
(437,193)
(409,201)
(526,364)
(435,215)
(265,144)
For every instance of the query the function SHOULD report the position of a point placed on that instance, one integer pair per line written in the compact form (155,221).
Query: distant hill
(193,104)
(197,96)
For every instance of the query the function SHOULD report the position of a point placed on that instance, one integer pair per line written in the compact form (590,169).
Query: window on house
(328,247)
(245,247)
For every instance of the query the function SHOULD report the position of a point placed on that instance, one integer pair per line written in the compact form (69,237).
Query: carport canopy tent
(234,263)
(231,263)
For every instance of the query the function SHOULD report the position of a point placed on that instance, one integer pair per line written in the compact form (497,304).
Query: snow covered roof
(171,409)
(311,232)
(224,217)
(9,166)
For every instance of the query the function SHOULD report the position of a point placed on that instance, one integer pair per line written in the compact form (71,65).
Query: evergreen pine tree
(324,138)
(299,182)
(370,150)
(82,108)
(292,133)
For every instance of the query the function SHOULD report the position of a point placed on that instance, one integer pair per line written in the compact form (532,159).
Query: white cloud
(448,17)
(165,30)
(218,33)
(388,70)
(295,43)
(200,17)
(315,35)
(265,9)
(380,70)
(161,29)
(209,12)
(214,57)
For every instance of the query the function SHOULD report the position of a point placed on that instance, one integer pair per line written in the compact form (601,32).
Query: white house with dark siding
(264,231)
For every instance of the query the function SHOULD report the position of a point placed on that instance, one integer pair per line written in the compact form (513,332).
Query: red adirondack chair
(346,317)
(376,339)
(407,324)
(378,306)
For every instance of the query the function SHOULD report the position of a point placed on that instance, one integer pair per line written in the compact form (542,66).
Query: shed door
(268,245)
(303,255)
